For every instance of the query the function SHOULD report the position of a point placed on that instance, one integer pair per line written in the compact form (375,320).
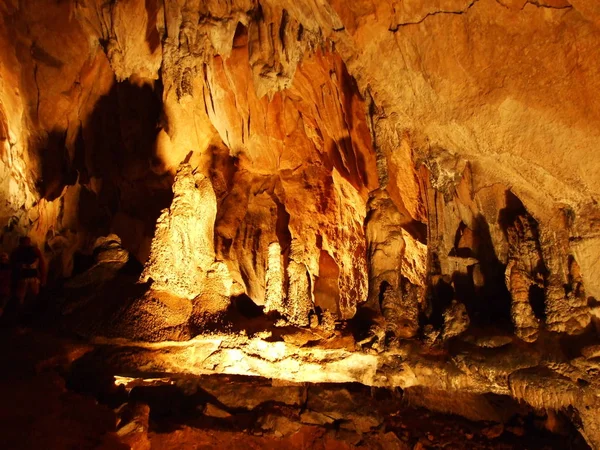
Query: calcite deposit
(182,251)
(400,175)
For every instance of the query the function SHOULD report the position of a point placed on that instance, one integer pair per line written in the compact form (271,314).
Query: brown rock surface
(43,373)
(432,166)
(319,102)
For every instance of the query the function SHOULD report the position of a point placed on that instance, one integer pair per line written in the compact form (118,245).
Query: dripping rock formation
(402,195)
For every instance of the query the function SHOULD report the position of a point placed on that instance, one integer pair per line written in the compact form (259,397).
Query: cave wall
(455,138)
(77,146)
(49,84)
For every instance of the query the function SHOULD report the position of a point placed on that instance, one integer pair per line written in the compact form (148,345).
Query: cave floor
(61,393)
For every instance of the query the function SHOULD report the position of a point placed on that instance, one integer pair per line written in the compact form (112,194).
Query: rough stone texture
(239,396)
(524,270)
(274,280)
(475,407)
(291,102)
(531,374)
(183,249)
(57,409)
(110,257)
(319,158)
(456,320)
(567,305)
(134,432)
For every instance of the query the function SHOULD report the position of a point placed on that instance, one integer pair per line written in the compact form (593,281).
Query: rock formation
(524,276)
(182,250)
(421,171)
(456,320)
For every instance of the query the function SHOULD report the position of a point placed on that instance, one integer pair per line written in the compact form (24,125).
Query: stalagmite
(566,305)
(524,271)
(182,249)
(385,246)
(274,293)
(396,268)
(299,303)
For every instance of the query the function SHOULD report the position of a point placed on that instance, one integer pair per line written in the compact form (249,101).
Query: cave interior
(312,224)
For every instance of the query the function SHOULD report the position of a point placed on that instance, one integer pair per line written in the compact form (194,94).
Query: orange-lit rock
(304,162)
(430,165)
(275,89)
(397,267)
(183,248)
(182,256)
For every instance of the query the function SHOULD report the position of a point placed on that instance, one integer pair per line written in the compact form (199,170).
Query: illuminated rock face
(432,166)
(380,164)
(183,247)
